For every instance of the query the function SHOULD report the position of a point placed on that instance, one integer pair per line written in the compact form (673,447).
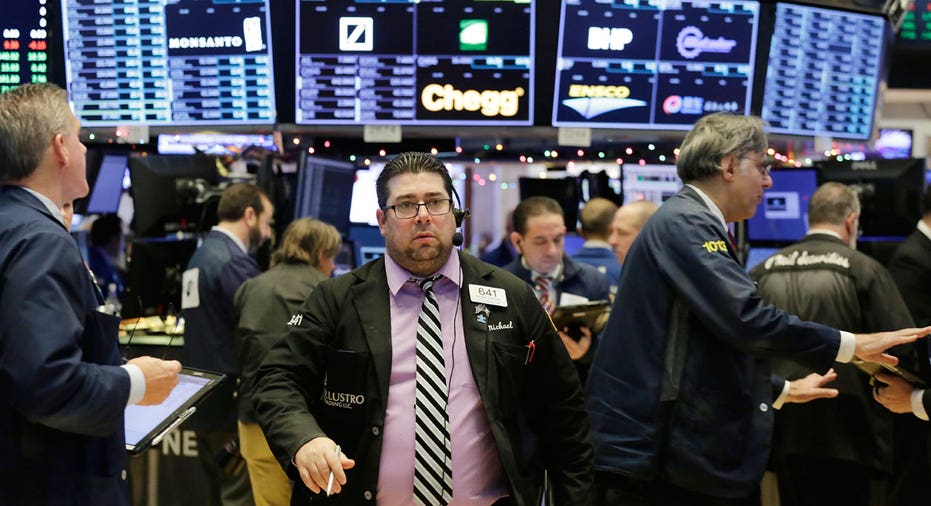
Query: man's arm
(56,374)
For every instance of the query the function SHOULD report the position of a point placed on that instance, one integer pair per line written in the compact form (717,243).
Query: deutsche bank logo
(356,34)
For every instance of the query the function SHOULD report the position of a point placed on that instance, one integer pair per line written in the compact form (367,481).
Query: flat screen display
(824,71)
(169,62)
(653,64)
(109,184)
(654,183)
(916,26)
(440,62)
(783,213)
(24,56)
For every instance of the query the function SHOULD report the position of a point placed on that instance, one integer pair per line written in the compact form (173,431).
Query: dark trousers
(616,490)
(815,481)
(227,476)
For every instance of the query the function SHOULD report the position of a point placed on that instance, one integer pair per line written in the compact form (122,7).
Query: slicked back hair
(411,162)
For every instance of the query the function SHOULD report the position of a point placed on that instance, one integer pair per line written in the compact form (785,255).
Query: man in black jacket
(343,392)
(831,450)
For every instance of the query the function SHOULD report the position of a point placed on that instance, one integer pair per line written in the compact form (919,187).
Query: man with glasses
(426,376)
(680,391)
(836,451)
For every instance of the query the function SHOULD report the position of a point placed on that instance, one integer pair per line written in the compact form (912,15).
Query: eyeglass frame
(425,205)
(765,169)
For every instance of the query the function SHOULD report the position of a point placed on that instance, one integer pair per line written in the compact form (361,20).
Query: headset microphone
(459,215)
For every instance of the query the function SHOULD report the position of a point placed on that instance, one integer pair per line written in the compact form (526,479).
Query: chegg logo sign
(436,98)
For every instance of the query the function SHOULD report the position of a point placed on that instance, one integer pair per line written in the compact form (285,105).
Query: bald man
(628,220)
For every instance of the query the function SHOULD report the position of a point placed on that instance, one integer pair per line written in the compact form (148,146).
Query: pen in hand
(329,483)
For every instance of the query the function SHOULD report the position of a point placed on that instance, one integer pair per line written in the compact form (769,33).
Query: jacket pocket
(344,400)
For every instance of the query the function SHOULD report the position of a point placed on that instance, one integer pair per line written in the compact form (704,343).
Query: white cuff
(918,407)
(136,383)
(777,404)
(848,345)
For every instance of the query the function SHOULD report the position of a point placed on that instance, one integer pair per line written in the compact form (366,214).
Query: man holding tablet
(62,389)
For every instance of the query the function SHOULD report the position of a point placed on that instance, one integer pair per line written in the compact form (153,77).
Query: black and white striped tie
(433,477)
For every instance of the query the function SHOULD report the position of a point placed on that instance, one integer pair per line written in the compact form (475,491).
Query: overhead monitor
(442,62)
(213,144)
(654,183)
(26,34)
(169,62)
(916,27)
(823,72)
(890,193)
(653,64)
(782,216)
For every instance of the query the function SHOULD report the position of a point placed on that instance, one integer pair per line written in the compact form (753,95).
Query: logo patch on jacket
(715,246)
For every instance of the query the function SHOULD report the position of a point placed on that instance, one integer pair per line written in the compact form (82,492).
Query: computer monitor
(442,62)
(324,187)
(823,71)
(783,213)
(563,190)
(154,279)
(168,192)
(890,193)
(181,62)
(757,255)
(653,65)
(894,143)
(30,43)
(654,183)
(109,184)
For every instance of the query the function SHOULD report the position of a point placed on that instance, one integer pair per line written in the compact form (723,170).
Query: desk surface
(153,339)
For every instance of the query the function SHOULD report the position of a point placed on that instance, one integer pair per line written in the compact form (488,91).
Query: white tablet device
(147,425)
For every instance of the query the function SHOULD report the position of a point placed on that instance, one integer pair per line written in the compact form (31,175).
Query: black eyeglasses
(408,210)
(763,167)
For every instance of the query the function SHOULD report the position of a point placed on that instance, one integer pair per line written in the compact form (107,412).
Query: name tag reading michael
(488,295)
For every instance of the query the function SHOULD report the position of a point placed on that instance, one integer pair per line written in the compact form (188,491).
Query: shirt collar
(596,243)
(825,232)
(556,275)
(398,275)
(924,228)
(715,210)
(233,237)
(47,202)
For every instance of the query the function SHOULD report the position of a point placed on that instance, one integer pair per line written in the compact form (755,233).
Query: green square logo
(473,34)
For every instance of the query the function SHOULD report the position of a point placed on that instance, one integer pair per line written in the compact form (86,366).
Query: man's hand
(871,347)
(894,393)
(161,376)
(577,349)
(810,388)
(316,459)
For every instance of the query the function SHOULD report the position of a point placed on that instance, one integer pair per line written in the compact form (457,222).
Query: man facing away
(595,219)
(62,385)
(426,376)
(834,450)
(216,270)
(680,391)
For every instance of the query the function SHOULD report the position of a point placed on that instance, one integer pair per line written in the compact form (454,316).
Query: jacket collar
(25,197)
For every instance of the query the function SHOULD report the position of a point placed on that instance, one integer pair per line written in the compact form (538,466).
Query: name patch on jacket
(806,258)
(342,399)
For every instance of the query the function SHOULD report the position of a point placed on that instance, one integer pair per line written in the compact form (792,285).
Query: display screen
(916,27)
(441,62)
(653,63)
(654,183)
(783,213)
(24,57)
(169,62)
(213,144)
(823,73)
